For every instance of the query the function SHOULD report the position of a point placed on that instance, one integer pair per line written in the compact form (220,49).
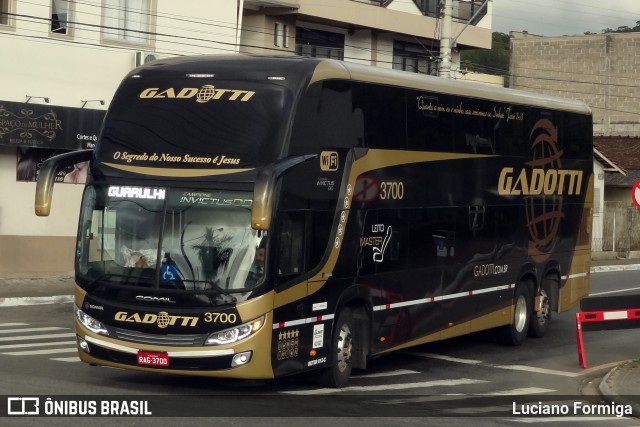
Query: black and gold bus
(254,217)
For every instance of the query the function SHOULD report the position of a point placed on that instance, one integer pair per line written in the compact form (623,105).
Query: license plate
(153,359)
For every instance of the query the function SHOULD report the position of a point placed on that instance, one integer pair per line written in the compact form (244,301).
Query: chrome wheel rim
(520,318)
(543,309)
(345,346)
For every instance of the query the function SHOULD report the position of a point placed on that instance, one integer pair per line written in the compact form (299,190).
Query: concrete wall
(600,70)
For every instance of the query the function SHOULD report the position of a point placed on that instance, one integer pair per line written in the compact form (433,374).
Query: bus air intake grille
(168,339)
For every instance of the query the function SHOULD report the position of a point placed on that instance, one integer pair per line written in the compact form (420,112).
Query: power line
(185,41)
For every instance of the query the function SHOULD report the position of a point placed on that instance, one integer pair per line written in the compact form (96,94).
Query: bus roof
(298,70)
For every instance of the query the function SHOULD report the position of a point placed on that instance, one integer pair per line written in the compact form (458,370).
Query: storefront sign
(44,126)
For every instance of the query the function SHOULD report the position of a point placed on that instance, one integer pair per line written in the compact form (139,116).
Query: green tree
(620,29)
(494,61)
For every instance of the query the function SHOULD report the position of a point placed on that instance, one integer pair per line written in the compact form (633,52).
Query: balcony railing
(463,10)
(319,51)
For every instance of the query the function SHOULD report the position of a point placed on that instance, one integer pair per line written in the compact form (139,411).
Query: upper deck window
(195,124)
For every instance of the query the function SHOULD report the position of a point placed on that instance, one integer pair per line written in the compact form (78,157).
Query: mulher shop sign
(44,126)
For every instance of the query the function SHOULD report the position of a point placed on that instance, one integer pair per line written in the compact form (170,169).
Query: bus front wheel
(342,347)
(516,332)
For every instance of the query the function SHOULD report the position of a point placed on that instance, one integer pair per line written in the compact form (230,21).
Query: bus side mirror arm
(263,190)
(47,175)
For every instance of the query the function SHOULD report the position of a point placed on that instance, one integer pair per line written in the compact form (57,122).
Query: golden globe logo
(544,183)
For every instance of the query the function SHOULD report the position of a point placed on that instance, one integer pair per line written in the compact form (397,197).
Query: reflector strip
(314,319)
(428,300)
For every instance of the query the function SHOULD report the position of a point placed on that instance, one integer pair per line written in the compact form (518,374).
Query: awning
(48,126)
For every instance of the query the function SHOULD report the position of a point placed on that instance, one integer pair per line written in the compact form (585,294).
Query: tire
(342,347)
(541,317)
(515,333)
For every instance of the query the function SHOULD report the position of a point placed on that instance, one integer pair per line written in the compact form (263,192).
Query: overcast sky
(563,17)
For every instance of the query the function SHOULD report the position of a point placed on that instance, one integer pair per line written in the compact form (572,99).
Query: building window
(6,9)
(126,20)
(428,7)
(285,36)
(281,35)
(319,44)
(414,58)
(60,16)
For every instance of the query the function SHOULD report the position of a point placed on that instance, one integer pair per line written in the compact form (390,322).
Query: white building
(62,60)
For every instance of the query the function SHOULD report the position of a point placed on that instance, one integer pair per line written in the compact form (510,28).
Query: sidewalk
(622,385)
(14,292)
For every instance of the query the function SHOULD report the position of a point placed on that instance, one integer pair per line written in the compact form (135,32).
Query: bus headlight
(235,334)
(90,323)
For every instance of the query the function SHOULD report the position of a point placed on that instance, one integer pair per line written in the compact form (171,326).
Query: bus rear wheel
(515,333)
(342,347)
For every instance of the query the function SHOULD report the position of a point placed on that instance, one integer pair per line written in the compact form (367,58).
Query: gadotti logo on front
(162,319)
(203,94)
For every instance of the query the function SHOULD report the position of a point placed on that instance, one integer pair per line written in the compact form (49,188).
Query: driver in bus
(257,267)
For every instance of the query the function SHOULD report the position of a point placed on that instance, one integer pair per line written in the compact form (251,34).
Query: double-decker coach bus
(254,217)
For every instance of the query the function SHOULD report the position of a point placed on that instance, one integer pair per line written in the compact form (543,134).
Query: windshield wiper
(94,283)
(217,288)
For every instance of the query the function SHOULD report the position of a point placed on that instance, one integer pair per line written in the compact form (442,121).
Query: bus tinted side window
(325,118)
(429,128)
(303,239)
(291,244)
(384,113)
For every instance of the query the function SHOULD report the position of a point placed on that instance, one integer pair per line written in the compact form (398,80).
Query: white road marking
(491,365)
(525,391)
(37,337)
(66,359)
(387,374)
(446,358)
(48,328)
(613,292)
(36,344)
(463,396)
(388,387)
(36,352)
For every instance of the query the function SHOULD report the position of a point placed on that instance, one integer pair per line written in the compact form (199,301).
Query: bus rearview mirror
(47,175)
(263,190)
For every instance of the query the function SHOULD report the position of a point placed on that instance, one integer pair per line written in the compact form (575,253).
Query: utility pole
(444,68)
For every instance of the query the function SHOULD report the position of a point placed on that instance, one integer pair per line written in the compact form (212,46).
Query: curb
(607,268)
(18,301)
(611,397)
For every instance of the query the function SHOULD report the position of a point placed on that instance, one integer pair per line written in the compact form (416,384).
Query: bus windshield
(168,238)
